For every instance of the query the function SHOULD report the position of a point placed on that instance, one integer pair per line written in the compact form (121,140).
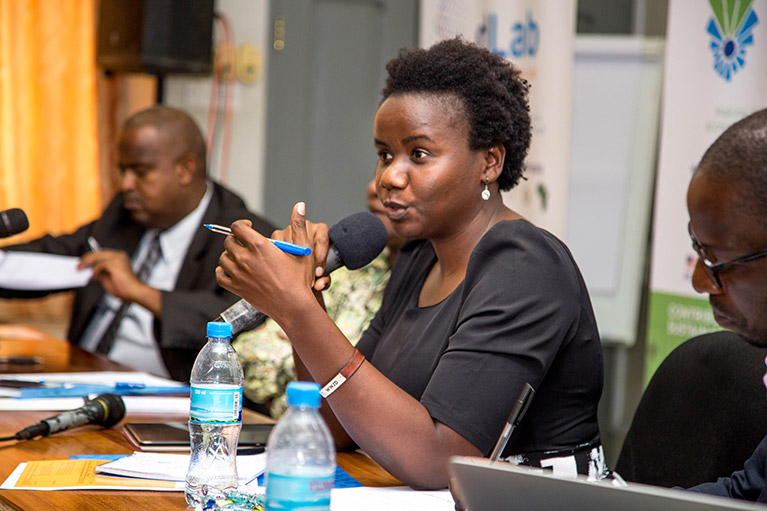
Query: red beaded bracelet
(346,372)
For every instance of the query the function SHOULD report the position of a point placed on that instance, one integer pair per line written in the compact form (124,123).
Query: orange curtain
(48,135)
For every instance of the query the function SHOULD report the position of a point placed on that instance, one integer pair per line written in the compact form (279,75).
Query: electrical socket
(248,63)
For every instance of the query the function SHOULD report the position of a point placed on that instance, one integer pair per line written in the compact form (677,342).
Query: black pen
(21,360)
(245,451)
(520,407)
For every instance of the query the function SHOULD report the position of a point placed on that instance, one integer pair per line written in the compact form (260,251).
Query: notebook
(502,486)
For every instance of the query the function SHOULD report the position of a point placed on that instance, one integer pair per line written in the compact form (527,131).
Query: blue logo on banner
(730,30)
(524,41)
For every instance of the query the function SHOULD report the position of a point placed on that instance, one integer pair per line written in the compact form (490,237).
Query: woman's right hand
(268,278)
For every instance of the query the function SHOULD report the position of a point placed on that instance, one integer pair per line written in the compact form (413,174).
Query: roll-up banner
(715,74)
(538,36)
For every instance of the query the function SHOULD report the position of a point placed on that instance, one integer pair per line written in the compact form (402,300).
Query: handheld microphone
(12,221)
(106,409)
(354,242)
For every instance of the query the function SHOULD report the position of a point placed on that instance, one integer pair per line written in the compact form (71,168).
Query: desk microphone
(12,221)
(354,242)
(106,409)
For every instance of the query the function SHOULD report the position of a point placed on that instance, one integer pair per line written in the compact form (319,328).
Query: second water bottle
(300,455)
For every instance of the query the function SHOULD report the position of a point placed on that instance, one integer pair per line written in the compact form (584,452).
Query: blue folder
(79,390)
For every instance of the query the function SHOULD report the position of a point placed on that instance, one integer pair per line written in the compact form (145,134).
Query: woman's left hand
(319,242)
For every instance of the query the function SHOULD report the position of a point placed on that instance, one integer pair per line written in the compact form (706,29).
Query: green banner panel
(673,319)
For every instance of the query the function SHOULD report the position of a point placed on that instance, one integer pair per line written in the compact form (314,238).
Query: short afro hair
(492,89)
(739,155)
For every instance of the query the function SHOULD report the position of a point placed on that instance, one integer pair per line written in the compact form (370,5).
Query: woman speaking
(479,303)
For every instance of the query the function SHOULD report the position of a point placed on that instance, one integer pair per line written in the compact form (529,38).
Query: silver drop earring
(486,192)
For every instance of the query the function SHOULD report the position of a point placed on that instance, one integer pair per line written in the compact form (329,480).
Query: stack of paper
(139,471)
(173,467)
(57,391)
(166,472)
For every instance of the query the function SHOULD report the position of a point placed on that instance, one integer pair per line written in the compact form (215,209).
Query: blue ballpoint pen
(288,248)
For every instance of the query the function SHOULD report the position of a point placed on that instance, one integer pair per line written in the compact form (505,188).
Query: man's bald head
(161,159)
(177,128)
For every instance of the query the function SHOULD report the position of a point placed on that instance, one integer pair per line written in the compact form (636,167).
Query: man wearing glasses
(727,202)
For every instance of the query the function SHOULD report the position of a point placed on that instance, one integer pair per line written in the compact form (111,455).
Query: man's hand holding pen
(112,268)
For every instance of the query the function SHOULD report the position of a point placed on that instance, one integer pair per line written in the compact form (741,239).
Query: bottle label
(307,493)
(212,403)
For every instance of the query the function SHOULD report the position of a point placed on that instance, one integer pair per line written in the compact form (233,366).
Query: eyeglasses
(714,268)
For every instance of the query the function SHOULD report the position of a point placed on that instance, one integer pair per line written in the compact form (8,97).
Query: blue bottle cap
(303,393)
(219,329)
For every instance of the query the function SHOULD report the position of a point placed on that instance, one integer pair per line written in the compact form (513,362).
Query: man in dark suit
(727,202)
(154,285)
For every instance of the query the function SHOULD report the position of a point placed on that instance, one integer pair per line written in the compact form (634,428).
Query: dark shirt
(522,314)
(746,484)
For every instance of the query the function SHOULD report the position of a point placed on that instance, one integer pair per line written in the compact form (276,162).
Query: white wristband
(344,374)
(332,385)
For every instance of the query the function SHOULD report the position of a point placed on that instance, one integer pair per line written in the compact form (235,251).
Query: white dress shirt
(135,344)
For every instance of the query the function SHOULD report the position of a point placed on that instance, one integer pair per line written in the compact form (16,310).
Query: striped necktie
(150,259)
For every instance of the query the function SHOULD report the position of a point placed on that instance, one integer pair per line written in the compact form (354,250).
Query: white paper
(401,498)
(173,467)
(161,405)
(133,404)
(34,271)
(52,404)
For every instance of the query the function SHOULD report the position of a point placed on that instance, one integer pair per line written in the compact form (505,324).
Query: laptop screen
(487,486)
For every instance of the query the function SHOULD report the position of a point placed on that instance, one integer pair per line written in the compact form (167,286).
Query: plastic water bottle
(300,455)
(215,418)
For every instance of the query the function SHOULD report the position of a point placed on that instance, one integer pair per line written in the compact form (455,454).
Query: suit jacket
(196,299)
(746,484)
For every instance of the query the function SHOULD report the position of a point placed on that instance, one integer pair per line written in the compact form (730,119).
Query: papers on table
(34,271)
(92,377)
(401,498)
(82,384)
(163,405)
(140,471)
(173,467)
(133,404)
(81,474)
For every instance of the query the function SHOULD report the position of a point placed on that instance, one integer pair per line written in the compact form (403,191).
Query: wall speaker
(155,36)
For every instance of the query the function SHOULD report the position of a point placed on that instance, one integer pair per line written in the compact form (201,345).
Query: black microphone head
(358,239)
(12,221)
(114,409)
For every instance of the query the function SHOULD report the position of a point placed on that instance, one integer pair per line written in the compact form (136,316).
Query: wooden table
(60,356)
